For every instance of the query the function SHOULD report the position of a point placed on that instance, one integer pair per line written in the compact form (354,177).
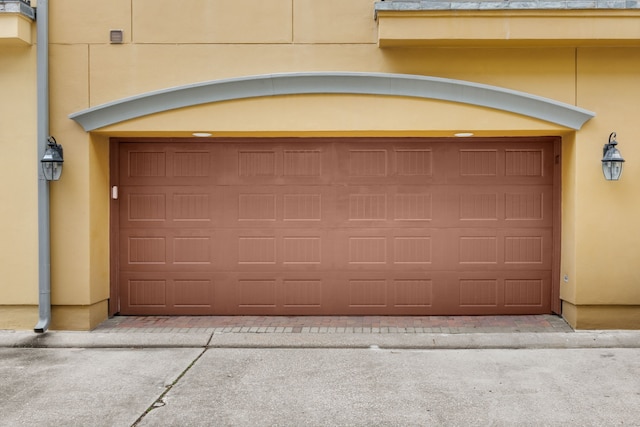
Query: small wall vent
(116,36)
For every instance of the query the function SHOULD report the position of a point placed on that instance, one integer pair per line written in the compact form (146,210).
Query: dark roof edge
(17,6)
(434,5)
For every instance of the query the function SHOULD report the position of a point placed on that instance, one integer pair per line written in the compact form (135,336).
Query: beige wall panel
(607,226)
(602,316)
(68,84)
(120,71)
(334,21)
(88,21)
(212,21)
(77,317)
(70,216)
(19,175)
(336,114)
(18,316)
(544,72)
(17,78)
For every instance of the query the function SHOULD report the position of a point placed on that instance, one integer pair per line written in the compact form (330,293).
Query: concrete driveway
(207,386)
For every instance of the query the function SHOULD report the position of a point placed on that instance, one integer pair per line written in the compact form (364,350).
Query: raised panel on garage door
(336,226)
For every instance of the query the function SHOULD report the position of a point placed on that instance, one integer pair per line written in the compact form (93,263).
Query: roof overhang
(16,21)
(507,23)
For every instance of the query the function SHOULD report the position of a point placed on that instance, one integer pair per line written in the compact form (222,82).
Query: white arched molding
(333,83)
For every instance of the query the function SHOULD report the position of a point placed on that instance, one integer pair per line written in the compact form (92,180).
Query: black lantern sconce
(611,159)
(52,160)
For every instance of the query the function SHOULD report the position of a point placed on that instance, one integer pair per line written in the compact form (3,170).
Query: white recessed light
(201,134)
(463,134)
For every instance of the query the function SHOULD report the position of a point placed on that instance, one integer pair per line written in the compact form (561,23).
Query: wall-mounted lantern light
(611,159)
(52,160)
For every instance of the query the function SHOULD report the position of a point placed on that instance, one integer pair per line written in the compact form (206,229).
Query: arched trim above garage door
(333,83)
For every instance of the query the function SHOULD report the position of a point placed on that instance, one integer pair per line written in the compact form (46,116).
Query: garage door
(335,226)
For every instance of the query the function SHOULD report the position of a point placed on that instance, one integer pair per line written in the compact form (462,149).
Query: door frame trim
(114,228)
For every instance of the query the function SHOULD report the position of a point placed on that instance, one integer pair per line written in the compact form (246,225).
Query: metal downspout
(44,250)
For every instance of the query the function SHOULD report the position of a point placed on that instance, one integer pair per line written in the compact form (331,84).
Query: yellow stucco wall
(15,30)
(169,43)
(600,283)
(606,220)
(19,175)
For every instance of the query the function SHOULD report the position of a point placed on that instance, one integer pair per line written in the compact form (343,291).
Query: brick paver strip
(336,324)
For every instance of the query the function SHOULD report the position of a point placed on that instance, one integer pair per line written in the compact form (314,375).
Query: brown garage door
(336,226)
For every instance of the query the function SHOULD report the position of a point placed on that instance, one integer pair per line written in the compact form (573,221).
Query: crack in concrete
(159,402)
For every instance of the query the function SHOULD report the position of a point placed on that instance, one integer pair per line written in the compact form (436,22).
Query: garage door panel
(279,249)
(495,206)
(350,227)
(409,164)
(359,249)
(194,206)
(307,252)
(528,206)
(526,163)
(278,164)
(478,165)
(358,163)
(379,163)
(145,292)
(303,293)
(363,206)
(169,207)
(490,293)
(255,204)
(276,206)
(470,249)
(487,249)
(166,250)
(388,206)
(413,292)
(257,293)
(159,293)
(368,295)
(476,205)
(170,164)
(413,252)
(143,247)
(143,206)
(143,164)
(310,165)
(528,249)
(310,293)
(457,206)
(519,163)
(191,250)
(269,293)
(527,289)
(391,293)
(413,206)
(313,294)
(383,249)
(307,207)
